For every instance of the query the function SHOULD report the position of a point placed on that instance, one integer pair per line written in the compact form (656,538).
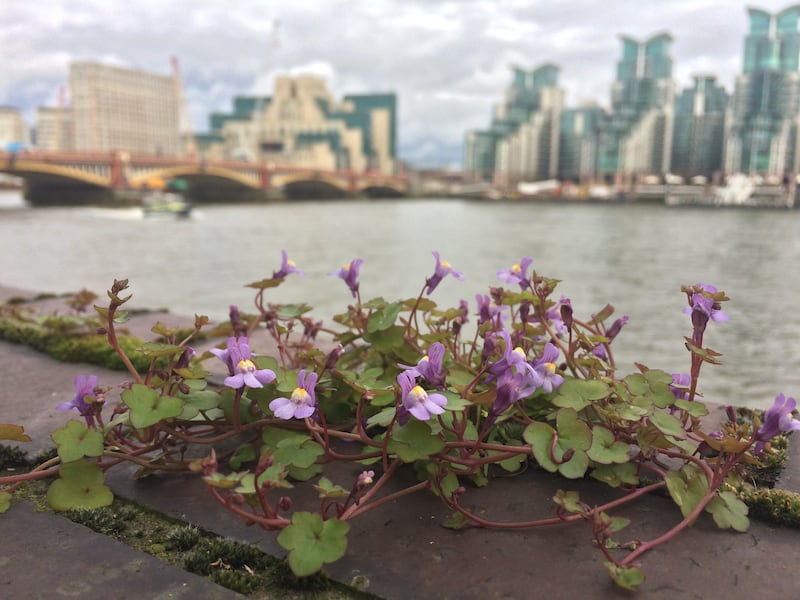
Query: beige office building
(304,126)
(119,109)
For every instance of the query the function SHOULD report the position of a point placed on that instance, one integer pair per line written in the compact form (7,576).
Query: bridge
(119,178)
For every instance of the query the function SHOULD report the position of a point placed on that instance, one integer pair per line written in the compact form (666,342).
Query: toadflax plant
(405,385)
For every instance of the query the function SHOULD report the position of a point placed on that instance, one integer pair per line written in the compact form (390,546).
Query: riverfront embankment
(400,552)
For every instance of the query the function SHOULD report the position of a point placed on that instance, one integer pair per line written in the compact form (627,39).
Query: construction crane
(184,117)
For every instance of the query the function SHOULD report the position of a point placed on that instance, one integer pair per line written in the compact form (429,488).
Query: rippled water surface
(633,257)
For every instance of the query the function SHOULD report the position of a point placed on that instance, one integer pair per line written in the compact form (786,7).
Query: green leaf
(382,418)
(387,339)
(569,501)
(414,441)
(328,489)
(312,542)
(573,435)
(687,487)
(628,578)
(729,512)
(242,454)
(578,393)
(148,407)
(14,433)
(198,401)
(292,311)
(605,449)
(75,441)
(695,408)
(382,319)
(80,485)
(293,454)
(540,437)
(304,473)
(617,474)
(668,425)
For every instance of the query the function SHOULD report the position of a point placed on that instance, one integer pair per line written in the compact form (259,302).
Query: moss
(775,506)
(69,345)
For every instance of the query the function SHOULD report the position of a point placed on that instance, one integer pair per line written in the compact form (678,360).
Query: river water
(633,257)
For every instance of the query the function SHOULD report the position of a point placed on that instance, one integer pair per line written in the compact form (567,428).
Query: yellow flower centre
(418,393)
(551,367)
(520,351)
(290,262)
(246,365)
(516,268)
(346,266)
(299,395)
(445,264)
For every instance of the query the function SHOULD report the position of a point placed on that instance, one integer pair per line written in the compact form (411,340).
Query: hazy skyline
(448,62)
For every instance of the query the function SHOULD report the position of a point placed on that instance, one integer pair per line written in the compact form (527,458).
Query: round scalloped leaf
(628,578)
(540,437)
(384,318)
(579,393)
(298,452)
(605,449)
(617,474)
(80,486)
(148,407)
(729,512)
(414,441)
(312,542)
(75,440)
(668,425)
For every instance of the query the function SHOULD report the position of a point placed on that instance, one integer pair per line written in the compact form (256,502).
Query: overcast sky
(447,61)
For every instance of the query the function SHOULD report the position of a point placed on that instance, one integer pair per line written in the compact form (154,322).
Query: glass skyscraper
(762,132)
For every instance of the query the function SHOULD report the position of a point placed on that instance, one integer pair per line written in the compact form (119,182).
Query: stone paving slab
(44,556)
(403,551)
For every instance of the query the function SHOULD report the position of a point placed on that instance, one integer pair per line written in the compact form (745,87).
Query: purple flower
(416,400)
(708,307)
(349,273)
(546,368)
(84,388)
(242,370)
(513,358)
(516,274)
(777,419)
(680,385)
(511,387)
(430,366)
(441,270)
(487,310)
(303,401)
(287,267)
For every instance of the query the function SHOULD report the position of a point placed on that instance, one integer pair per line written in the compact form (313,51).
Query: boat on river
(166,199)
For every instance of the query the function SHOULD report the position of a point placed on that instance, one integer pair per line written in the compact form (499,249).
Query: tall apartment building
(762,135)
(522,142)
(637,137)
(302,125)
(115,108)
(13,130)
(699,128)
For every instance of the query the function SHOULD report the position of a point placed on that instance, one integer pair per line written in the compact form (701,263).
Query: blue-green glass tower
(699,129)
(762,134)
(523,98)
(643,87)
